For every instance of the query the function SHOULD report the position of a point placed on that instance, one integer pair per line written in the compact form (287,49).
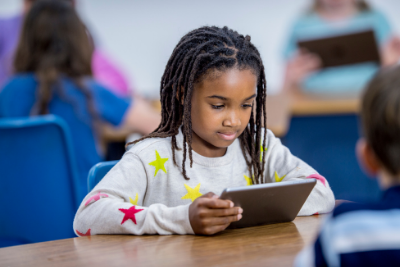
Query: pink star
(130,214)
(95,198)
(80,234)
(318,177)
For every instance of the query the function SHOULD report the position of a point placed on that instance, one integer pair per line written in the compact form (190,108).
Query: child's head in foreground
(214,86)
(379,150)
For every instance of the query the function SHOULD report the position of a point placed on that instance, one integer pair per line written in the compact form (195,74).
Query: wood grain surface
(268,245)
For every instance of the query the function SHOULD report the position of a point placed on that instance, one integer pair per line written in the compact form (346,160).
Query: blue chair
(38,180)
(327,143)
(98,171)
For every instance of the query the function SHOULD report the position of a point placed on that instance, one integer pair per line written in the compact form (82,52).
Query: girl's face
(221,109)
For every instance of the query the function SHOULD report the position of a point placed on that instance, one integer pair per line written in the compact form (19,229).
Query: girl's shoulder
(150,145)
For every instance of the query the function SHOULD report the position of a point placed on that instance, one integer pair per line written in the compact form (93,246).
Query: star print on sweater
(159,163)
(130,214)
(81,234)
(262,150)
(277,178)
(248,180)
(95,198)
(192,193)
(134,202)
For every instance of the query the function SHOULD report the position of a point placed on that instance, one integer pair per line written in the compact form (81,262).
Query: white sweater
(145,193)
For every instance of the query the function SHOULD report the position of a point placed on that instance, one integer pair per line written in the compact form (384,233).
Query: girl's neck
(337,13)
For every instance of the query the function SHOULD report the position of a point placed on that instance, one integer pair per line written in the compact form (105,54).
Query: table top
(268,245)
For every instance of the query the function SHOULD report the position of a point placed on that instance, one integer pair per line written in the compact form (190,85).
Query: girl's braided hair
(198,54)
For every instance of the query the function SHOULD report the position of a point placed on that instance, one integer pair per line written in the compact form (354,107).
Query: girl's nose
(232,120)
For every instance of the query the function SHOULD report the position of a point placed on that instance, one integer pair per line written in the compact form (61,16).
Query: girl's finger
(222,220)
(224,212)
(216,203)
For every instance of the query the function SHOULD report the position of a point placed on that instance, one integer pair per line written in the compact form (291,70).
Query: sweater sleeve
(281,165)
(115,206)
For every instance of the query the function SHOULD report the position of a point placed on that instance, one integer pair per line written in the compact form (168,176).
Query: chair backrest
(98,171)
(327,143)
(38,180)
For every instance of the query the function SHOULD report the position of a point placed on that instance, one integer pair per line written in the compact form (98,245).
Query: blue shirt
(342,79)
(19,96)
(359,235)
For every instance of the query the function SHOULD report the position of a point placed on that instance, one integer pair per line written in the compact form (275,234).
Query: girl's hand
(209,215)
(299,67)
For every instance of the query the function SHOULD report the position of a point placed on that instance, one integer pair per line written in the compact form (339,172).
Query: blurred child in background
(369,234)
(335,17)
(104,70)
(54,76)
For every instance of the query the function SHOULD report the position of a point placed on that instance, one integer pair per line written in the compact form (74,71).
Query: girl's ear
(367,158)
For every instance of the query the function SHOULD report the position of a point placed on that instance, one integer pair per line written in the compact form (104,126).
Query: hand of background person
(299,67)
(141,117)
(209,215)
(390,53)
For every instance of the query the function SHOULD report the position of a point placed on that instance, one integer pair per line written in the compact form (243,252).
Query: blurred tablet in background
(347,49)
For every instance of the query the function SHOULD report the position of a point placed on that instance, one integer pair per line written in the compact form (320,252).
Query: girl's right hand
(209,215)
(299,67)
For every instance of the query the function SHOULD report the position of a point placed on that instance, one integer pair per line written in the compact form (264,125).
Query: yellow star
(277,178)
(261,151)
(134,202)
(158,163)
(248,180)
(192,193)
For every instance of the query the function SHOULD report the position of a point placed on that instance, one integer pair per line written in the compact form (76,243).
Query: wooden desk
(269,245)
(281,107)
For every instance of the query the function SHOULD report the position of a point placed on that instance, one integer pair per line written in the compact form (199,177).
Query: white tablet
(269,203)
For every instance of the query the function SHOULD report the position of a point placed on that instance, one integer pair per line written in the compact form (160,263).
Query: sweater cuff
(180,218)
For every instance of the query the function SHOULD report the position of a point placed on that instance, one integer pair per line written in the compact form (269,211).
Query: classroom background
(140,35)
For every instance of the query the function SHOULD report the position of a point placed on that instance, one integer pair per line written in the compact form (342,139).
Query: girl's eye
(217,106)
(247,106)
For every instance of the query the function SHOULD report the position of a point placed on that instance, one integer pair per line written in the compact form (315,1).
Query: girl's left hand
(209,215)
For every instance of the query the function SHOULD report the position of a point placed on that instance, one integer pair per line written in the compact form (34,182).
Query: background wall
(140,35)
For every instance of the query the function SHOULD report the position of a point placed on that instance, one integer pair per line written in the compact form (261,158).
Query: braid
(198,53)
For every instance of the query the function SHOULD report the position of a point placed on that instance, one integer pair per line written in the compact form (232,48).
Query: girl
(211,136)
(53,66)
(332,17)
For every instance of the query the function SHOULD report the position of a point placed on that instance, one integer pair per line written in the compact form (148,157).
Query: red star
(80,234)
(130,214)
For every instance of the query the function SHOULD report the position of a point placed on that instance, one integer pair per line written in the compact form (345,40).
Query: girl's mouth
(227,135)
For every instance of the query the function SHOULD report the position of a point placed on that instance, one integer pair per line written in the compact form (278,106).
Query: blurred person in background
(335,17)
(53,75)
(104,70)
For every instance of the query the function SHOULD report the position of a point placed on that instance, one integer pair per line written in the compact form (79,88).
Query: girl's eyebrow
(217,96)
(250,97)
(224,98)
